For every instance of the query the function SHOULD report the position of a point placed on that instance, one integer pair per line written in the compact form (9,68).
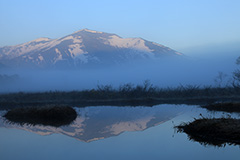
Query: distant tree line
(130,92)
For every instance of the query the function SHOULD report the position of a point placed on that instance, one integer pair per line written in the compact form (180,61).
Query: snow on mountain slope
(84,47)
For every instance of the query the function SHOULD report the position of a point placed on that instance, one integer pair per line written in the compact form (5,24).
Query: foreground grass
(215,131)
(128,94)
(225,107)
(47,115)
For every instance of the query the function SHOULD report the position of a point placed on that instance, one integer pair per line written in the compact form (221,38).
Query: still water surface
(113,133)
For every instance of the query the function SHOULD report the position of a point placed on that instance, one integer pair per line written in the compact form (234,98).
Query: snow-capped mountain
(84,47)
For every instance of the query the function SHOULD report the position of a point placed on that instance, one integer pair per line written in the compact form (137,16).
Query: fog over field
(172,72)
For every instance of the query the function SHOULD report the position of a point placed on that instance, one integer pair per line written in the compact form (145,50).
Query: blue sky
(179,24)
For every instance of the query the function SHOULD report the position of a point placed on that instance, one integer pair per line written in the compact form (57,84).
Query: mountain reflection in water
(94,123)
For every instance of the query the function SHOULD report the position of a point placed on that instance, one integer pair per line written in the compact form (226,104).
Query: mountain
(82,48)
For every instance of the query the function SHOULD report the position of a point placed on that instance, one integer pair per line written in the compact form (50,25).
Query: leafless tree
(236,75)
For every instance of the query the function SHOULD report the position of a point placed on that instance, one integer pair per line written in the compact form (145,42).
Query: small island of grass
(48,115)
(215,131)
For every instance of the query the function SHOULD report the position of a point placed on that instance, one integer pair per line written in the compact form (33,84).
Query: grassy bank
(127,94)
(215,131)
(47,115)
(225,107)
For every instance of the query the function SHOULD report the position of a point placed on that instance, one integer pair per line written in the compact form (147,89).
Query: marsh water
(113,133)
